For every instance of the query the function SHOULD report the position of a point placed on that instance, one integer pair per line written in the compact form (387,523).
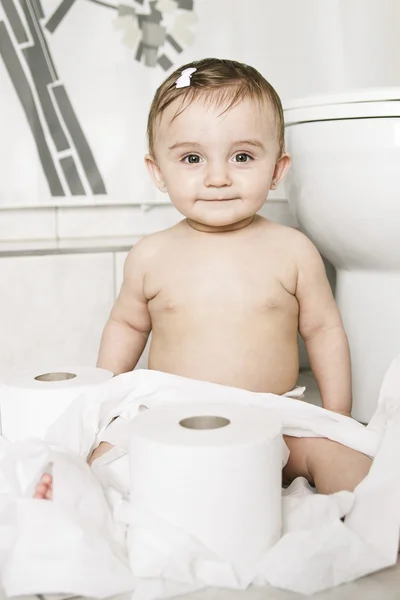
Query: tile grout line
(114,276)
(57,227)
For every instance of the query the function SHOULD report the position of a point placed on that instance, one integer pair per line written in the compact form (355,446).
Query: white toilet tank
(344,183)
(357,104)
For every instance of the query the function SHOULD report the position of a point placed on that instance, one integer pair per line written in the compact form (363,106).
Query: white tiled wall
(113,221)
(21,229)
(119,270)
(53,306)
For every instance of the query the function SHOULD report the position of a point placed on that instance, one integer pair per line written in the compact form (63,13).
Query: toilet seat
(378,102)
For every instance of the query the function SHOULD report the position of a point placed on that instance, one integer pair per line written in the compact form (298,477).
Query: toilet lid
(375,102)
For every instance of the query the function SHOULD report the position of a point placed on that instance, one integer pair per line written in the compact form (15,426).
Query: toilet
(344,189)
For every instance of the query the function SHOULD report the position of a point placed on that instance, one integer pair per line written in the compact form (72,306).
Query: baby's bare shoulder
(293,239)
(302,248)
(304,256)
(151,246)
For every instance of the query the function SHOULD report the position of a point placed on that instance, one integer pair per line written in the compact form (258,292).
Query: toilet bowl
(344,188)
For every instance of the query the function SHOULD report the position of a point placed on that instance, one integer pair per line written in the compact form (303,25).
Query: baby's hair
(222,82)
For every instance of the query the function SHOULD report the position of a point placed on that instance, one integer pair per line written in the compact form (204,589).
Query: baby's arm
(321,327)
(126,332)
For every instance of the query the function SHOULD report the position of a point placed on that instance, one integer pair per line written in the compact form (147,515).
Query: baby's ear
(155,172)
(281,168)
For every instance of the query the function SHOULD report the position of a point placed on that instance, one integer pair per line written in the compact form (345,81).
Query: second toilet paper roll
(212,470)
(31,400)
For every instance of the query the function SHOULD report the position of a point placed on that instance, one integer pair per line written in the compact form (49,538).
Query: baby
(225,291)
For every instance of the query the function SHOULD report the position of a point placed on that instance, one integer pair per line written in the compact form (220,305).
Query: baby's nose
(217,175)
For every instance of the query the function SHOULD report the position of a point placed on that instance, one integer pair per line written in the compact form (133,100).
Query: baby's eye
(242,157)
(192,159)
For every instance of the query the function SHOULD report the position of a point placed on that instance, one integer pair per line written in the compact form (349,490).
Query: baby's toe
(46,478)
(44,489)
(40,491)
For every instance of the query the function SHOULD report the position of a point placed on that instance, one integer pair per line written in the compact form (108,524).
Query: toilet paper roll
(212,470)
(31,400)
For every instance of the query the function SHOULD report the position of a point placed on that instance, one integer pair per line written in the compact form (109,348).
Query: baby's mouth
(217,199)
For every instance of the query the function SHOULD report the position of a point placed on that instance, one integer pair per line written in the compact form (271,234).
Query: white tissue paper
(31,400)
(76,544)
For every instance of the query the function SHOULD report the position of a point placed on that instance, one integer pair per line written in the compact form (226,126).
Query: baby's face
(217,168)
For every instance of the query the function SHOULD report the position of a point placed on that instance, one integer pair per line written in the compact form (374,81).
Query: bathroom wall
(74,194)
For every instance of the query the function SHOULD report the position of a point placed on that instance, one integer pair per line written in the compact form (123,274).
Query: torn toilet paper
(76,544)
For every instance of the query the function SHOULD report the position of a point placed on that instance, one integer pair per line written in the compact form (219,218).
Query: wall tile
(119,270)
(28,224)
(113,221)
(108,244)
(27,246)
(53,308)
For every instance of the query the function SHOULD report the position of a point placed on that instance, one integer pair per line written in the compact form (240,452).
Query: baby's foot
(44,489)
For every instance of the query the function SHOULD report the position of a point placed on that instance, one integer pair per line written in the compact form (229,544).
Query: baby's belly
(260,361)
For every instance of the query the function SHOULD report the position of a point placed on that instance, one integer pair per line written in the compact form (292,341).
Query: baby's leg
(328,465)
(44,489)
(101,449)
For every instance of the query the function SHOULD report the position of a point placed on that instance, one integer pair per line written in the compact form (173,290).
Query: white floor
(383,585)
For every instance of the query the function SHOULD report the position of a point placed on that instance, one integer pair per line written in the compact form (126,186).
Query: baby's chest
(210,289)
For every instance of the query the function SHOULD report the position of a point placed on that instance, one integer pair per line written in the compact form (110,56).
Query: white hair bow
(184,79)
